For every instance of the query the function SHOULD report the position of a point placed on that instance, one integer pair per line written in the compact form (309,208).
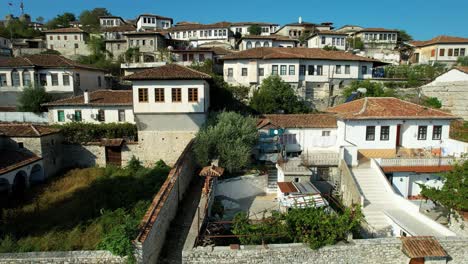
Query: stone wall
(349,190)
(163,209)
(379,250)
(85,155)
(458,225)
(69,257)
(453,95)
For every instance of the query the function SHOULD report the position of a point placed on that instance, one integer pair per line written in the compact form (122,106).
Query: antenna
(22,7)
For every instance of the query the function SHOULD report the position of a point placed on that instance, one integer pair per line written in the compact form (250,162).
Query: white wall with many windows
(111,21)
(378,37)
(170,96)
(320,41)
(251,43)
(202,35)
(153,22)
(244,29)
(441,53)
(91,114)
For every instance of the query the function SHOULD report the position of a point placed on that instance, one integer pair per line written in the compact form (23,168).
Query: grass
(459,130)
(86,209)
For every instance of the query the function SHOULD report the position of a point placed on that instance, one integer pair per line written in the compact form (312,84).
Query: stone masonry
(69,257)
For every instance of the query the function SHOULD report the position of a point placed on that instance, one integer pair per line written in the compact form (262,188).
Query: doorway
(398,136)
(114,156)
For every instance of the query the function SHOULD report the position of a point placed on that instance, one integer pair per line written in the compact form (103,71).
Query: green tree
(432,102)
(18,29)
(40,19)
(229,137)
(254,30)
(403,36)
(31,98)
(303,37)
(330,48)
(61,21)
(275,95)
(374,89)
(462,61)
(90,18)
(454,193)
(355,43)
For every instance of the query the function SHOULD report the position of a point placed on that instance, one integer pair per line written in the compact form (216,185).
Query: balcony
(320,159)
(416,162)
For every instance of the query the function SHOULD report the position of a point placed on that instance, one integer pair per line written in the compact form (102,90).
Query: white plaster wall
(111,114)
(406,183)
(454,75)
(284,43)
(316,41)
(168,106)
(311,139)
(10,176)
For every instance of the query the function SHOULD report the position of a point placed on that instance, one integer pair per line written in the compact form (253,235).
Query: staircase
(272,186)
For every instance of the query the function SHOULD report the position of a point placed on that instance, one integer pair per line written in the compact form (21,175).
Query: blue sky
(423,19)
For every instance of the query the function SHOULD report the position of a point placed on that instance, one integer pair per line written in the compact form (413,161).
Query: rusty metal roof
(422,246)
(212,171)
(287,187)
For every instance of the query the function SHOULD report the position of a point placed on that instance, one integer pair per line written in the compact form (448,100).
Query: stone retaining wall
(363,251)
(69,257)
(453,96)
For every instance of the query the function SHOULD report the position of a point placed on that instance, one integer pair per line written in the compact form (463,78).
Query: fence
(402,162)
(24,117)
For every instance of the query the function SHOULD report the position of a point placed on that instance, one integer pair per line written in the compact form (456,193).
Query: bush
(31,99)
(374,89)
(80,132)
(432,102)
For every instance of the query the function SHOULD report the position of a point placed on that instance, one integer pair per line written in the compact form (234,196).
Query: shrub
(432,102)
(374,89)
(31,99)
(79,132)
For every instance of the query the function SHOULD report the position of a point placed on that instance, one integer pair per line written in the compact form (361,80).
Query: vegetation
(374,89)
(90,18)
(313,226)
(454,193)
(100,57)
(275,95)
(459,130)
(330,48)
(31,98)
(462,61)
(432,102)
(415,74)
(303,38)
(80,132)
(229,137)
(403,36)
(254,30)
(355,43)
(86,209)
(18,29)
(61,21)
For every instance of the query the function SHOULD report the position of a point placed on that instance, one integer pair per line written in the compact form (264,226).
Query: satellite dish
(170,48)
(362,90)
(276,132)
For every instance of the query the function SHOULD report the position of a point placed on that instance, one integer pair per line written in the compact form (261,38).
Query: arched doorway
(19,183)
(37,174)
(148,58)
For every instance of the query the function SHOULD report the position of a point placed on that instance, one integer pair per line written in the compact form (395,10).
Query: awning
(422,246)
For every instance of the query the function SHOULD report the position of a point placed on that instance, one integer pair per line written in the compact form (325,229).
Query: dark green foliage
(374,89)
(303,37)
(31,98)
(61,21)
(18,29)
(254,30)
(100,57)
(228,136)
(333,48)
(432,102)
(275,95)
(403,36)
(459,130)
(462,61)
(414,73)
(90,18)
(454,193)
(355,43)
(312,226)
(79,132)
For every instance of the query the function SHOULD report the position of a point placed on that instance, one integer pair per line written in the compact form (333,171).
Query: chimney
(86,97)
(300,20)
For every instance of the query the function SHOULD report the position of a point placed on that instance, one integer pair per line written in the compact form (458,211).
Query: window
(274,70)
(266,44)
(311,69)
(333,41)
(249,45)
(422,132)
(436,132)
(450,52)
(347,69)
(462,52)
(60,116)
(143,42)
(258,44)
(101,115)
(15,78)
(51,47)
(442,52)
(64,37)
(43,79)
(77,116)
(76,45)
(326,133)
(66,79)
(78,80)
(201,57)
(384,133)
(159,95)
(230,72)
(193,95)
(338,69)
(292,70)
(261,72)
(283,70)
(26,78)
(370,133)
(142,95)
(190,57)
(433,52)
(323,40)
(244,71)
(184,57)
(151,43)
(302,69)
(54,77)
(51,38)
(3,80)
(176,95)
(364,70)
(319,69)
(121,115)
(456,52)
(99,81)
(58,37)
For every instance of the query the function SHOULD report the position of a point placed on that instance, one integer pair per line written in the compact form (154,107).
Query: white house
(70,42)
(326,38)
(198,34)
(379,43)
(243,28)
(153,22)
(115,39)
(443,49)
(5,46)
(111,21)
(148,42)
(260,41)
(297,29)
(311,71)
(101,106)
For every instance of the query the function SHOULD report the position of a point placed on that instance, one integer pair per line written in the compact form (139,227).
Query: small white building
(111,21)
(443,49)
(380,44)
(260,41)
(198,34)
(101,106)
(322,39)
(297,29)
(153,22)
(70,42)
(243,28)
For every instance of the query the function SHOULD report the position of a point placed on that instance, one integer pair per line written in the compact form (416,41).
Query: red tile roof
(287,187)
(122,28)
(26,130)
(297,121)
(12,160)
(44,61)
(378,30)
(442,39)
(420,169)
(329,32)
(169,72)
(422,246)
(65,30)
(386,108)
(273,37)
(296,53)
(98,98)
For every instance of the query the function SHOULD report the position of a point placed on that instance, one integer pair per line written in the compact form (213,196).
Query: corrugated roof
(297,121)
(386,108)
(423,246)
(98,98)
(169,72)
(287,187)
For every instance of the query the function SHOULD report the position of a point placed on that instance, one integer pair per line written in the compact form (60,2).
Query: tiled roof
(43,61)
(112,142)
(273,37)
(65,30)
(122,28)
(440,40)
(418,169)
(386,108)
(378,30)
(168,72)
(147,32)
(12,159)
(200,26)
(26,130)
(252,23)
(328,32)
(423,246)
(296,53)
(98,98)
(297,121)
(462,68)
(215,50)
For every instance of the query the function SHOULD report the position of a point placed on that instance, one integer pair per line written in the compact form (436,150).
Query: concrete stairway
(272,185)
